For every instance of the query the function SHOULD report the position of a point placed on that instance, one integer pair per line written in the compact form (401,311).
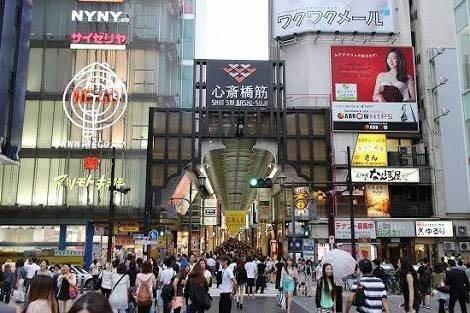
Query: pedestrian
(379,272)
(19,279)
(289,276)
(207,274)
(145,283)
(218,274)
(458,287)
(373,289)
(41,297)
(424,278)
(325,296)
(197,291)
(211,263)
(309,272)
(278,269)
(261,276)
(95,272)
(166,281)
(132,272)
(250,267)
(91,302)
(67,289)
(106,278)
(44,269)
(31,268)
(302,277)
(119,297)
(241,278)
(7,283)
(409,285)
(228,288)
(440,289)
(178,286)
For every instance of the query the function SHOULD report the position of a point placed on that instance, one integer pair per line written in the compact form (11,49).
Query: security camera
(440,50)
(445,111)
(443,80)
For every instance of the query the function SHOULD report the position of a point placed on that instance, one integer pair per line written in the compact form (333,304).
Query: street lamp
(282,180)
(202,183)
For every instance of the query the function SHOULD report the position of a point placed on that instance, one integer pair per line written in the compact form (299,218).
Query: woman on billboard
(395,85)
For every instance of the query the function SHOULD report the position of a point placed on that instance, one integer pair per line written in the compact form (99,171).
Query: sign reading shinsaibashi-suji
(238,84)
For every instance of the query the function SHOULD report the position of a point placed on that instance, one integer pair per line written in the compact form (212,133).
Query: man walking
(459,286)
(250,268)
(375,295)
(424,278)
(228,288)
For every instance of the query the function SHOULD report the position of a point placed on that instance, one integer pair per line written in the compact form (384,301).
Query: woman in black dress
(409,285)
(261,280)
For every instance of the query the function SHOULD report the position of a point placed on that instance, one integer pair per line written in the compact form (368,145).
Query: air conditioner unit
(449,246)
(461,231)
(464,246)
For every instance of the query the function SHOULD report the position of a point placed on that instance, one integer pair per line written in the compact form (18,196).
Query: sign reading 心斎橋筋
(384,175)
(364,16)
(238,84)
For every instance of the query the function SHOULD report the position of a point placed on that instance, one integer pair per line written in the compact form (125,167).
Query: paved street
(259,304)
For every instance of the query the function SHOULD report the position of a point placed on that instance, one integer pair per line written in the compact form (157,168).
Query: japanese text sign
(370,150)
(363,229)
(434,229)
(385,175)
(85,182)
(399,229)
(297,16)
(373,89)
(377,200)
(238,84)
(98,38)
(234,221)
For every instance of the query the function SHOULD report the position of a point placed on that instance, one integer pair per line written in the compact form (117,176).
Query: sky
(232,29)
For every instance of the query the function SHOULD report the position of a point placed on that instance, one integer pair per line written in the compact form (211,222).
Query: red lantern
(91,163)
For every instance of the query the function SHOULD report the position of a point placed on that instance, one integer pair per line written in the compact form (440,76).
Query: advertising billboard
(377,200)
(239,84)
(370,150)
(235,220)
(374,89)
(400,175)
(365,16)
(434,229)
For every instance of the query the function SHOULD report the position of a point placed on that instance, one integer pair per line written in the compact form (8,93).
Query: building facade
(138,51)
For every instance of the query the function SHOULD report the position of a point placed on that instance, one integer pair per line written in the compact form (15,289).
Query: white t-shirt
(166,275)
(210,262)
(227,283)
(31,270)
(250,268)
(94,269)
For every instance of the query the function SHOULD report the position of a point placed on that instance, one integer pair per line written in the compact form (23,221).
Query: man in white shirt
(166,277)
(251,269)
(31,269)
(210,264)
(228,287)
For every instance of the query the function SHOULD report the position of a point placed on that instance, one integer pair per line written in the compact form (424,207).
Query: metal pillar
(112,188)
(351,204)
(88,258)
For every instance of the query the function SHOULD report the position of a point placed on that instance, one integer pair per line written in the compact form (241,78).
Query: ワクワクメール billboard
(374,89)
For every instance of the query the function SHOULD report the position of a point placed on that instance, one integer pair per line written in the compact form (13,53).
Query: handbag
(359,296)
(279,298)
(73,292)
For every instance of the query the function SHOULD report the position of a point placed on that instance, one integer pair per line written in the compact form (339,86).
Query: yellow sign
(377,200)
(85,182)
(234,221)
(128,228)
(371,150)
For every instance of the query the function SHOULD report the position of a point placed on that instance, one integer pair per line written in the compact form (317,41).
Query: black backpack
(425,277)
(240,275)
(200,297)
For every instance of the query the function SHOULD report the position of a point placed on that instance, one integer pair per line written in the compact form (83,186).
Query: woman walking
(67,283)
(91,302)
(309,272)
(41,295)
(289,277)
(198,291)
(409,285)
(19,282)
(106,277)
(145,283)
(440,290)
(178,286)
(261,278)
(326,291)
(241,278)
(119,293)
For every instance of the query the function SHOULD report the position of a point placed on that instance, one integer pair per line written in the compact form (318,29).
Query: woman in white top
(146,279)
(119,297)
(106,280)
(395,85)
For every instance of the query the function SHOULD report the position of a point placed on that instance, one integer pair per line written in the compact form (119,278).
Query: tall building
(95,69)
(15,26)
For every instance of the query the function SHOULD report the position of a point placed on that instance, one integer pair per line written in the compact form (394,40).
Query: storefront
(365,235)
(429,235)
(395,237)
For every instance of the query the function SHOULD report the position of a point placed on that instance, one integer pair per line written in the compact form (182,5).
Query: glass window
(464,50)
(30,125)
(10,184)
(34,69)
(318,124)
(46,121)
(25,184)
(305,150)
(319,150)
(159,148)
(290,124)
(304,124)
(291,150)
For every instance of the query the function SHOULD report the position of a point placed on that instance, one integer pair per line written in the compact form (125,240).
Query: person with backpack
(197,291)
(145,282)
(178,287)
(309,272)
(121,283)
(379,272)
(241,278)
(424,279)
(166,281)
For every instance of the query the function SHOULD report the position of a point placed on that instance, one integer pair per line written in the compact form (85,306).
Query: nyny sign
(99,16)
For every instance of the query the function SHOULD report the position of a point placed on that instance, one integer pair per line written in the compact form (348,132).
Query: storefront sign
(309,249)
(370,150)
(91,163)
(385,175)
(362,229)
(99,16)
(128,228)
(101,40)
(235,220)
(299,229)
(238,84)
(374,89)
(397,229)
(210,216)
(95,99)
(301,200)
(434,229)
(377,200)
(85,182)
(298,16)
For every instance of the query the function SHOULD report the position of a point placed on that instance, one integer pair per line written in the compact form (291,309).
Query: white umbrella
(343,263)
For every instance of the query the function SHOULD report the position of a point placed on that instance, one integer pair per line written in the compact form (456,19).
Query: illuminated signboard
(434,229)
(385,175)
(85,182)
(98,40)
(370,150)
(99,16)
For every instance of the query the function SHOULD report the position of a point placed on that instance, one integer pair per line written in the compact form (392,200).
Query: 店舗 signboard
(364,16)
(384,175)
(370,150)
(362,229)
(238,84)
(210,211)
(434,229)
(389,229)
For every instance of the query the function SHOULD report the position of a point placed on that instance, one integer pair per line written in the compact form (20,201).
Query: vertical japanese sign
(238,84)
(377,200)
(234,221)
(297,16)
(374,89)
(301,203)
(370,150)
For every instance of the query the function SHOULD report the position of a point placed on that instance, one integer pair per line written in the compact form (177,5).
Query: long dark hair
(286,265)
(402,75)
(407,268)
(197,276)
(42,288)
(93,302)
(326,285)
